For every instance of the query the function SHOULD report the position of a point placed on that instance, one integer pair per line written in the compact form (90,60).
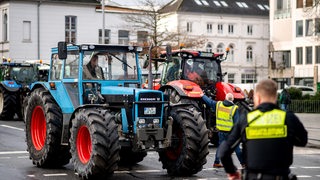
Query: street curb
(312,145)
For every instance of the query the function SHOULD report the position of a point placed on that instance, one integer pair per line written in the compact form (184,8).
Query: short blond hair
(267,88)
(229,97)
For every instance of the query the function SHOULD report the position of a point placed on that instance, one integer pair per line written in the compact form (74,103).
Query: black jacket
(269,156)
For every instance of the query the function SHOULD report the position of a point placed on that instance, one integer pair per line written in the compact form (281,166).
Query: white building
(30,28)
(242,25)
(295,42)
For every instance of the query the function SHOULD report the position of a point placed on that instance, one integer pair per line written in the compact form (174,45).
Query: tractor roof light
(237,89)
(52,85)
(188,87)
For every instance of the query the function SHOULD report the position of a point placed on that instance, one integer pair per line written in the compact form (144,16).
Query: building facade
(242,25)
(30,28)
(295,42)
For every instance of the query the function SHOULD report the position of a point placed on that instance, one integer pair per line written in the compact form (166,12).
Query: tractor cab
(203,68)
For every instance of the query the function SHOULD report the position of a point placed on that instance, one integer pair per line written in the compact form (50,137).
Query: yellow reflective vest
(266,125)
(224,116)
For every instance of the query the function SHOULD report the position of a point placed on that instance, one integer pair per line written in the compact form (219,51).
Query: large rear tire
(8,104)
(94,143)
(189,147)
(43,131)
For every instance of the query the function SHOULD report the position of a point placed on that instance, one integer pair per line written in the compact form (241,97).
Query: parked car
(304,89)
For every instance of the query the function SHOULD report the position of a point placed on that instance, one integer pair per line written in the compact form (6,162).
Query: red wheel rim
(38,128)
(84,144)
(174,152)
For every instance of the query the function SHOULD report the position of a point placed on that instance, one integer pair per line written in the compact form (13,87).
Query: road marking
(11,127)
(148,171)
(121,172)
(303,176)
(310,167)
(57,174)
(13,152)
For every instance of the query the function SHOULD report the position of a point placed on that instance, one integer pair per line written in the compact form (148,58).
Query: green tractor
(15,79)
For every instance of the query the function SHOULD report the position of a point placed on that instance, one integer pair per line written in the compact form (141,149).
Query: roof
(93,2)
(232,7)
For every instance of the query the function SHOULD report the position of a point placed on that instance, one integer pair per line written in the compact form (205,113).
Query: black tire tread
(195,139)
(9,104)
(53,153)
(105,143)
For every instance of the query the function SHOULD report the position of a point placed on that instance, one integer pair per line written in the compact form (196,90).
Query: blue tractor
(15,79)
(93,111)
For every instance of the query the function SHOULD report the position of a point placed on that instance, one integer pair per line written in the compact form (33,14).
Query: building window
(309,27)
(209,28)
(248,78)
(299,28)
(279,4)
(230,78)
(106,36)
(318,54)
(287,58)
(189,26)
(220,48)
(249,29)
(230,28)
(309,55)
(123,37)
(142,36)
(309,3)
(299,3)
(231,53)
(249,54)
(209,47)
(299,55)
(26,31)
(220,28)
(317,26)
(5,27)
(70,29)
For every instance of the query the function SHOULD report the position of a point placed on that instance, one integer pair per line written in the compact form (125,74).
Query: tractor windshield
(101,65)
(201,71)
(20,74)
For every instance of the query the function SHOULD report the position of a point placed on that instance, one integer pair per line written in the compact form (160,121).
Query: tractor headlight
(156,121)
(142,121)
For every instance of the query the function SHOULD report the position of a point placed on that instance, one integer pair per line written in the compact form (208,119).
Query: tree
(148,18)
(313,10)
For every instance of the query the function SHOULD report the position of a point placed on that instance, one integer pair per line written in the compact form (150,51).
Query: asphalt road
(15,163)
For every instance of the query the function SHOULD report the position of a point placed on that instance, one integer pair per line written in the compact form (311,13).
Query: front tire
(189,147)
(8,104)
(43,131)
(94,143)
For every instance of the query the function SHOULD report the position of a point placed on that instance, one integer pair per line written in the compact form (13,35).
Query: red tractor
(187,74)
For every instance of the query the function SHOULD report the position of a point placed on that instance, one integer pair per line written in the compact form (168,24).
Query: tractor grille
(150,104)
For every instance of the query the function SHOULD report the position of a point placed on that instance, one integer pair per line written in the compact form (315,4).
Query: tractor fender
(184,88)
(224,88)
(10,87)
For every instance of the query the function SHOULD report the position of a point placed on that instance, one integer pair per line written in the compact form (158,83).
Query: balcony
(282,14)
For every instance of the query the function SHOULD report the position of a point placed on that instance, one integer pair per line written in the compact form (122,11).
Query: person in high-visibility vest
(227,115)
(268,135)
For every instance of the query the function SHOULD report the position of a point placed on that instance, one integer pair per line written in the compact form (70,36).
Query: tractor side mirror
(62,50)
